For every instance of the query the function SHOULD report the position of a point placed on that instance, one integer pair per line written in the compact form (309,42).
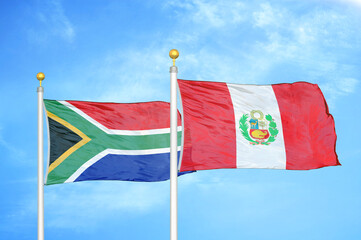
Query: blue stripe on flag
(140,168)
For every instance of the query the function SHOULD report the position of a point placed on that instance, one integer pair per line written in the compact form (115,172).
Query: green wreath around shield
(243,126)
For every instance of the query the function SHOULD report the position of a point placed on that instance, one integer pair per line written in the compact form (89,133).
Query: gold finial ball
(173,53)
(40,76)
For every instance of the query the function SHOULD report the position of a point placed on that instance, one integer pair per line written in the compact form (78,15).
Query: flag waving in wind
(108,141)
(282,126)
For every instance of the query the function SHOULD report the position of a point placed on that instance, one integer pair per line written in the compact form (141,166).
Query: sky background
(118,51)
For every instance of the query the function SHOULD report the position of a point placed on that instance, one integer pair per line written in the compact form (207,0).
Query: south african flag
(108,141)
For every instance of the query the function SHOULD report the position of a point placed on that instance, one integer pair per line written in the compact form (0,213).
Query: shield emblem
(257,128)
(259,134)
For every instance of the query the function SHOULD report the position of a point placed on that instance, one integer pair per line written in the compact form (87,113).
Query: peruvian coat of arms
(257,128)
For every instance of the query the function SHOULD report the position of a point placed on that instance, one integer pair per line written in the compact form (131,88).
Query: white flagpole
(173,148)
(40,76)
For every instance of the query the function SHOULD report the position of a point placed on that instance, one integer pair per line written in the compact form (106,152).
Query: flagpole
(40,76)
(173,148)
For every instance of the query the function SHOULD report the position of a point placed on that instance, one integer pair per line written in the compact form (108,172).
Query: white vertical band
(173,155)
(40,91)
(261,98)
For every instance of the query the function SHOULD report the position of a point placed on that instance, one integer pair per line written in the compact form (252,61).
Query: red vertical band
(308,127)
(209,128)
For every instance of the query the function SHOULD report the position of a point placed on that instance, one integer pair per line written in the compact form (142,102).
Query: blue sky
(118,51)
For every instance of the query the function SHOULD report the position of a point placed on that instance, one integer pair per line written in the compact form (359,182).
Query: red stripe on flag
(209,128)
(128,116)
(308,127)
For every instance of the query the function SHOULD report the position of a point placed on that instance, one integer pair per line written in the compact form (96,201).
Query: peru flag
(282,126)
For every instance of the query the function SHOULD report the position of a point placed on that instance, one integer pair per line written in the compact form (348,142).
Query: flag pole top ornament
(40,76)
(173,54)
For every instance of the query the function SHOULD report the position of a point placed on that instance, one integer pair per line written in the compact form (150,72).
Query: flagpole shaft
(40,91)
(173,155)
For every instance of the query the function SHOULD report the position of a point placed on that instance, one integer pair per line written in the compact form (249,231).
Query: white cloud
(338,87)
(13,152)
(52,22)
(356,3)
(348,85)
(211,13)
(267,16)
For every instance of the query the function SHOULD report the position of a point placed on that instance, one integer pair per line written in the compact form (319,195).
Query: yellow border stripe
(66,154)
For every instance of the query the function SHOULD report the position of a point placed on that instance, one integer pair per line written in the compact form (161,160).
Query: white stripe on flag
(246,98)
